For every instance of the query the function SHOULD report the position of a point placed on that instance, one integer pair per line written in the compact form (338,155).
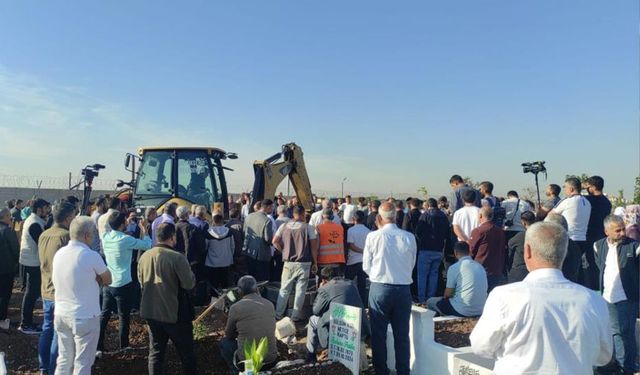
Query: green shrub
(199,331)
(256,353)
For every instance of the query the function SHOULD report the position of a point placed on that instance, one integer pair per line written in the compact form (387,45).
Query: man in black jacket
(517,269)
(459,187)
(617,259)
(399,213)
(333,288)
(373,213)
(409,223)
(191,241)
(432,232)
(573,260)
(235,226)
(9,253)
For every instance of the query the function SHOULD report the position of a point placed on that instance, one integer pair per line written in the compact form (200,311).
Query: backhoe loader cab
(188,175)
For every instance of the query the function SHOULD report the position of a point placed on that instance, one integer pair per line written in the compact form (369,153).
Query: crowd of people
(556,285)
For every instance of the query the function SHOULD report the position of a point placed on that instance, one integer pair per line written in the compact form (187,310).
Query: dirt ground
(454,333)
(22,350)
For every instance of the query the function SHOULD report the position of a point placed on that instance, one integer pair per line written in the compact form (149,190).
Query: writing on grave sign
(462,367)
(344,335)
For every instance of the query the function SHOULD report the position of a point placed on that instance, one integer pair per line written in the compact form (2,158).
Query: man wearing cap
(251,318)
(331,240)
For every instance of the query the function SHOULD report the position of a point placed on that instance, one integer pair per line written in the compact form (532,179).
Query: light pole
(342,187)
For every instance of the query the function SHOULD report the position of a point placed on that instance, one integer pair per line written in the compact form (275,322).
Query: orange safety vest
(331,250)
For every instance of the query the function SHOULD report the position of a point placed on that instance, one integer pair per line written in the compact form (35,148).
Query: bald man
(487,246)
(544,324)
(388,258)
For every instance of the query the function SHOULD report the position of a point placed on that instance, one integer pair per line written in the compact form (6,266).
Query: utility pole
(342,188)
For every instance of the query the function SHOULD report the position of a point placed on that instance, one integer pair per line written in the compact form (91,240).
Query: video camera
(91,171)
(534,167)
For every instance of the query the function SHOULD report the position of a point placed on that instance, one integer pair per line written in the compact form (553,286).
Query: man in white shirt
(514,207)
(356,237)
(101,209)
(348,209)
(77,274)
(103,221)
(388,258)
(246,202)
(466,219)
(576,209)
(617,258)
(466,289)
(544,324)
(316,217)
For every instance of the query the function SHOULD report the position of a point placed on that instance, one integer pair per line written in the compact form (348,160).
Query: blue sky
(392,95)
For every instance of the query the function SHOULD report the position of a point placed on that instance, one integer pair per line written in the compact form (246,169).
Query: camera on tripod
(534,167)
(91,171)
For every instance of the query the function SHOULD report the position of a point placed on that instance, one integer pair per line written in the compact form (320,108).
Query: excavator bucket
(269,173)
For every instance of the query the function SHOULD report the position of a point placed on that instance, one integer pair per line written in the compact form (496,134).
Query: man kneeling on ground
(251,318)
(333,288)
(466,290)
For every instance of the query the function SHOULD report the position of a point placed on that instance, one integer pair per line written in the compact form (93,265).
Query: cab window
(194,178)
(154,176)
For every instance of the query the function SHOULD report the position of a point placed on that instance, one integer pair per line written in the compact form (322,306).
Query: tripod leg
(538,189)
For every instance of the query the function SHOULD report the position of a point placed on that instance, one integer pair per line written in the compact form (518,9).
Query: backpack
(499,213)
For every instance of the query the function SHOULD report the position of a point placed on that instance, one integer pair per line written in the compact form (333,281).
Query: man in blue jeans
(388,258)
(49,242)
(618,261)
(432,231)
(32,228)
(118,249)
(466,290)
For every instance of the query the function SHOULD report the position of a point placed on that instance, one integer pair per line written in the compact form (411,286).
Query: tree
(422,190)
(467,180)
(618,201)
(583,177)
(529,193)
(636,191)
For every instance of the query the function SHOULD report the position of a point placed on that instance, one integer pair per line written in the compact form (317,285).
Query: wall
(7,193)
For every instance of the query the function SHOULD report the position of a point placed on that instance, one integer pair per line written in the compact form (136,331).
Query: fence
(28,186)
(52,182)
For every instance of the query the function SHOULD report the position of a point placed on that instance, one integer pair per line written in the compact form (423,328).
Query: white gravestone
(344,335)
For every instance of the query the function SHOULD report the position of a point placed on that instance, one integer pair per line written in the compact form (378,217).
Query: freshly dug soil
(22,350)
(454,333)
(135,361)
(317,369)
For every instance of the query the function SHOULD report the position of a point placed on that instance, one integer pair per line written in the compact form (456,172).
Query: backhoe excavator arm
(269,173)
